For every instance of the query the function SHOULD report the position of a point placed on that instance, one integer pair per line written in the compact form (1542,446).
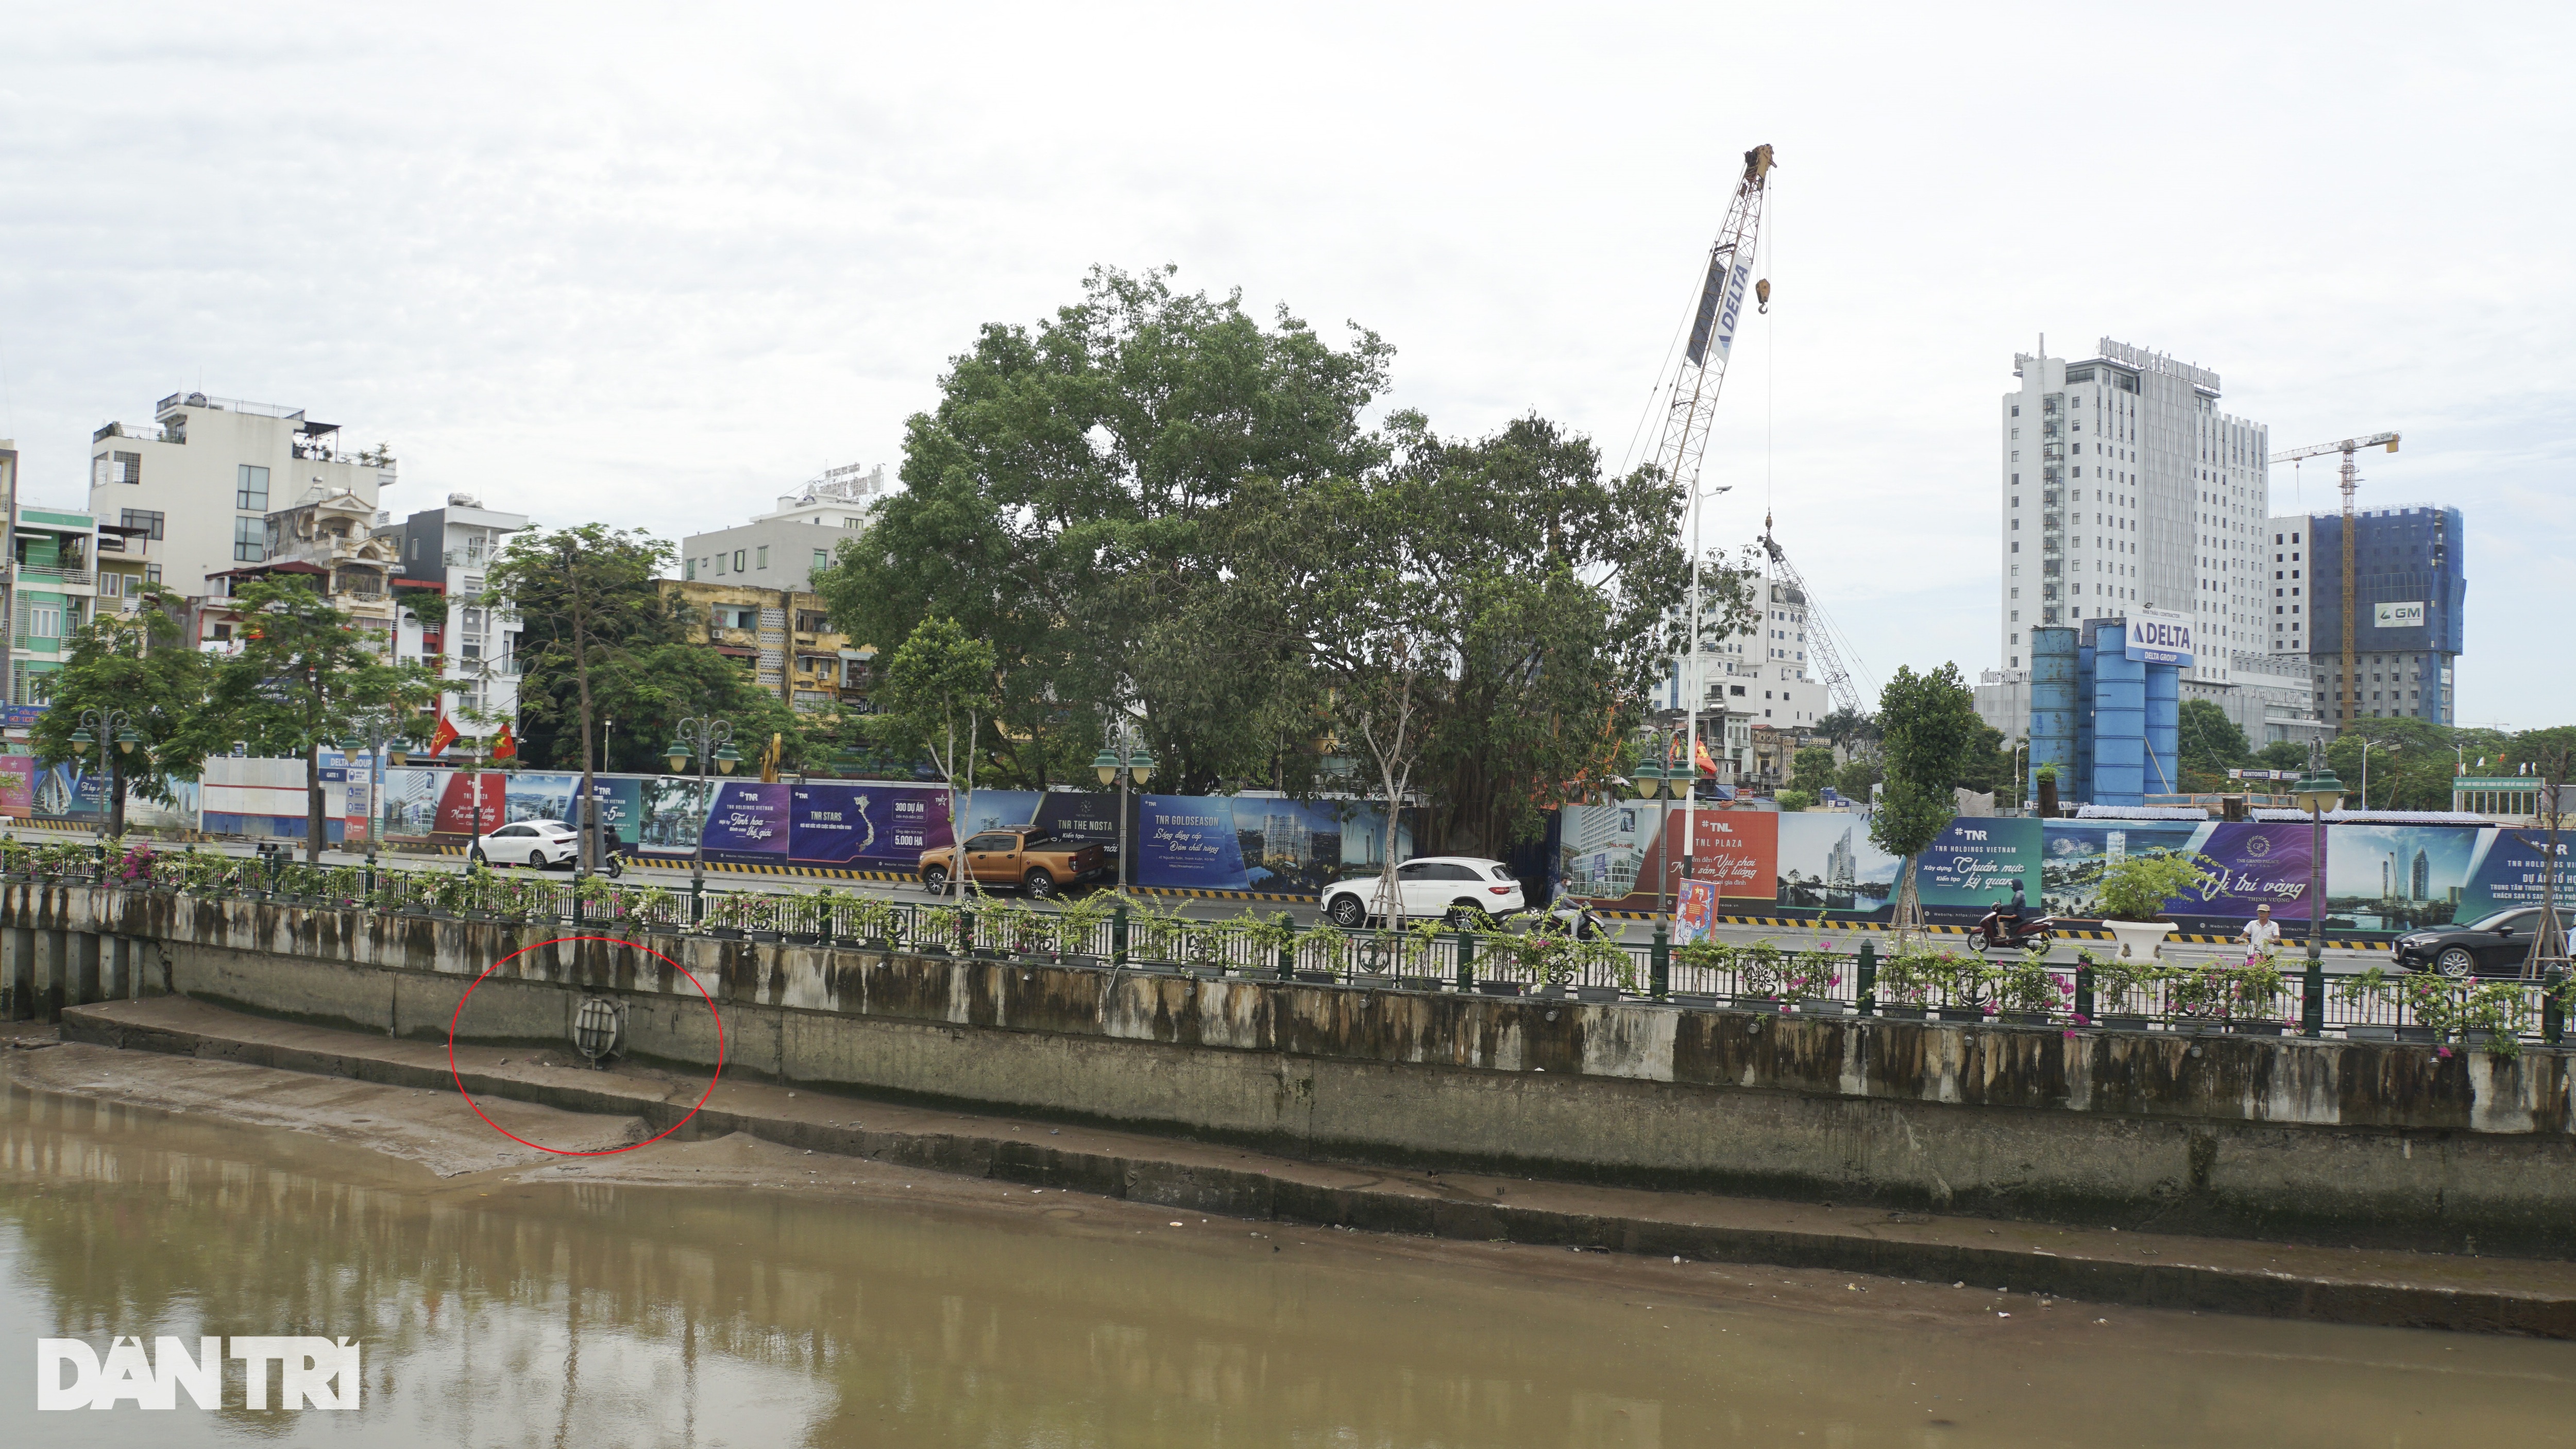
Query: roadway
(1305,914)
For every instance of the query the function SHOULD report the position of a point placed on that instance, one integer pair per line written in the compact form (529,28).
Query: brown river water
(876,1308)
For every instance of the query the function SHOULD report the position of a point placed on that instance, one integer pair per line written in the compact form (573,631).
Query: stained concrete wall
(2343,1141)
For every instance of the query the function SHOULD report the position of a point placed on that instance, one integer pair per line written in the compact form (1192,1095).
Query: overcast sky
(654,264)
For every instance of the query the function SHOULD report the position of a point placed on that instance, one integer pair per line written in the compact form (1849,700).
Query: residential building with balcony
(783,640)
(327,539)
(53,591)
(129,561)
(450,551)
(206,471)
(785,548)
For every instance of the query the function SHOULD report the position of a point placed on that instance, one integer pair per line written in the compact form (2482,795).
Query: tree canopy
(1154,502)
(140,666)
(305,676)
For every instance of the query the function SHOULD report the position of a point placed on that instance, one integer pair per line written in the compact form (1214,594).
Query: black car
(2496,946)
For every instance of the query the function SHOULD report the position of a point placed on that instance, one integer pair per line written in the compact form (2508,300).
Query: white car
(540,843)
(1449,887)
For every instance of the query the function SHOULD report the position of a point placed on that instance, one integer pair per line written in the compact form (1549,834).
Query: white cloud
(651,264)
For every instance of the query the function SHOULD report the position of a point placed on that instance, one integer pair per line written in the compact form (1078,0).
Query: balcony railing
(48,574)
(140,432)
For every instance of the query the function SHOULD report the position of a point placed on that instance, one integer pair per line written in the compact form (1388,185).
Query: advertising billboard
(865,824)
(2158,636)
(748,823)
(17,786)
(1975,863)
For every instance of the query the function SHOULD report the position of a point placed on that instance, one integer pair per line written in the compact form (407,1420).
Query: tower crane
(1693,404)
(2346,697)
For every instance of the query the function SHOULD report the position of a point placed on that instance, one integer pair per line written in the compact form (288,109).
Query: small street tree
(940,684)
(1929,724)
(304,676)
(139,669)
(582,595)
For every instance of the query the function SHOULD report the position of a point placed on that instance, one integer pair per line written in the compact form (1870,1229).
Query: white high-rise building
(2124,487)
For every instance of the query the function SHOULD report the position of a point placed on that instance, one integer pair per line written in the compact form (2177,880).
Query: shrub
(2120,983)
(2027,985)
(2136,888)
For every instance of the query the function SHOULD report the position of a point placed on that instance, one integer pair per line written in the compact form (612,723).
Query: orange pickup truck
(1025,856)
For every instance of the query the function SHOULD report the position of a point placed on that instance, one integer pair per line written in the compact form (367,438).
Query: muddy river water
(853,1305)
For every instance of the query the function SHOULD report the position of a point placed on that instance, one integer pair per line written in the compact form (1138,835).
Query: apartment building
(448,551)
(786,547)
(783,639)
(53,591)
(205,472)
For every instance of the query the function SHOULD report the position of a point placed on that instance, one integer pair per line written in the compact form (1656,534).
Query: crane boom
(1820,642)
(2348,445)
(2347,697)
(1713,325)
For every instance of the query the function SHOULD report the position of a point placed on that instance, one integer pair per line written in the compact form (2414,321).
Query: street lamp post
(1650,786)
(378,736)
(2318,793)
(1123,763)
(97,725)
(472,754)
(708,742)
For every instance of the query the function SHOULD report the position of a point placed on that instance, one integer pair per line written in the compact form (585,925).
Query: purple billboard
(2250,864)
(749,823)
(864,825)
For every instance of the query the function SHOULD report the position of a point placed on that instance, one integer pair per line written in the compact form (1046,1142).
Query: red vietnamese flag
(1707,766)
(504,747)
(441,737)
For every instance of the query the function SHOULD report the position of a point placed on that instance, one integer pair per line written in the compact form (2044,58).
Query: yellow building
(780,637)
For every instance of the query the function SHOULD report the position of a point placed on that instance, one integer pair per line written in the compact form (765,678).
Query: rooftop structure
(784,548)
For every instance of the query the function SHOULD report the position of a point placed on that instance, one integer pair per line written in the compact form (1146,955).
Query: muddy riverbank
(190,1057)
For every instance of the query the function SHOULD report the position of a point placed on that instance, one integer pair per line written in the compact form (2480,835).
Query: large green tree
(1059,502)
(584,597)
(140,667)
(1929,725)
(306,674)
(2209,745)
(1484,618)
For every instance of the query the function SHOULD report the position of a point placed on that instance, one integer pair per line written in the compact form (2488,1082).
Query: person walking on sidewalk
(2262,935)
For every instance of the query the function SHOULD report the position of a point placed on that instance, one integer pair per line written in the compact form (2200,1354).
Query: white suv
(1452,887)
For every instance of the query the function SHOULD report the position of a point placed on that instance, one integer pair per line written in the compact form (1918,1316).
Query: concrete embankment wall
(2332,1141)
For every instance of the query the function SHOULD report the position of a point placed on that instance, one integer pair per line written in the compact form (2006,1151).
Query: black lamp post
(2318,793)
(1125,762)
(706,741)
(98,724)
(378,737)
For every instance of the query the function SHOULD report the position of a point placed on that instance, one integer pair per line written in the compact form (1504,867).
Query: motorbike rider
(2002,925)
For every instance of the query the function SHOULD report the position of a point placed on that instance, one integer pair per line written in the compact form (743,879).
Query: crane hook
(1762,295)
